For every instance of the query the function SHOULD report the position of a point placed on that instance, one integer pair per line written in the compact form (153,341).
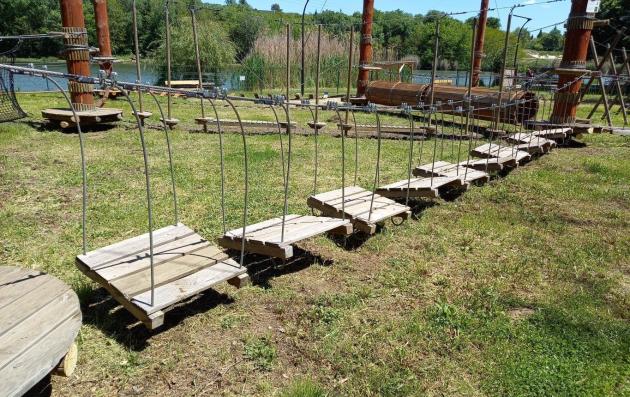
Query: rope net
(10,109)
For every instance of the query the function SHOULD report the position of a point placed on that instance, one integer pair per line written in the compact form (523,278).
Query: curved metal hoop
(83,163)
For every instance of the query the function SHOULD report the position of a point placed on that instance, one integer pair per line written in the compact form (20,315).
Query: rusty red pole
(365,50)
(579,27)
(102,35)
(479,40)
(77,52)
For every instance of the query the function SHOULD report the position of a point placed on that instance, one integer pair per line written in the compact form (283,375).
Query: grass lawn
(517,288)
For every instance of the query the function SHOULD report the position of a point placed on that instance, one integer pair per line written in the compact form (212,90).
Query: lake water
(127,72)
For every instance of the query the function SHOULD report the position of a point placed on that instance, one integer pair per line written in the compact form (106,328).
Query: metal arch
(378,163)
(275,114)
(409,165)
(356,147)
(222,162)
(288,171)
(170,156)
(246,167)
(83,163)
(148,186)
(316,154)
(343,166)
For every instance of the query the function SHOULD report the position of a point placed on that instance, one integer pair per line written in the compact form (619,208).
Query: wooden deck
(490,164)
(40,318)
(531,143)
(553,133)
(419,187)
(265,238)
(444,168)
(185,264)
(508,155)
(65,118)
(356,206)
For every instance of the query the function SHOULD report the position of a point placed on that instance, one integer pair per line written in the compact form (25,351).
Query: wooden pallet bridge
(467,175)
(40,317)
(185,264)
(531,143)
(508,156)
(265,238)
(356,207)
(420,187)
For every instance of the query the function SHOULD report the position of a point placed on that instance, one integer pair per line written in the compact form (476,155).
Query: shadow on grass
(43,126)
(262,269)
(102,311)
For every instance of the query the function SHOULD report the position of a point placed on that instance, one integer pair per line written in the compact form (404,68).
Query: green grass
(518,288)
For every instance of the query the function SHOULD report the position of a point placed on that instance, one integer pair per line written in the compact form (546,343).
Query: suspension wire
(83,163)
(409,164)
(148,187)
(222,163)
(246,168)
(193,21)
(343,167)
(134,13)
(170,157)
(378,163)
(286,180)
(356,147)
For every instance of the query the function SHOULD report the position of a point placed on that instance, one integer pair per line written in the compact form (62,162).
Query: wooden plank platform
(65,118)
(553,133)
(40,317)
(265,238)
(246,123)
(531,143)
(356,206)
(444,168)
(419,187)
(490,164)
(185,264)
(508,155)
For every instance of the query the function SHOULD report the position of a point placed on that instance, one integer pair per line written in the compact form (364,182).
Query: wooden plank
(443,168)
(41,358)
(26,304)
(141,261)
(167,272)
(135,245)
(185,287)
(283,252)
(36,325)
(36,329)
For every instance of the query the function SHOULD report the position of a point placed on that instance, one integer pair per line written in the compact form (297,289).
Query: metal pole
(136,45)
(198,59)
(365,54)
(102,35)
(479,41)
(518,41)
(302,67)
(503,64)
(348,82)
(168,56)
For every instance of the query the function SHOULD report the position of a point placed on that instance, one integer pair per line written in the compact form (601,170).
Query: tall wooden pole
(479,41)
(365,52)
(102,35)
(77,52)
(579,28)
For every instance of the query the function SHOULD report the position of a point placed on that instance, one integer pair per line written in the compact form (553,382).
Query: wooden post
(77,53)
(479,41)
(604,97)
(102,35)
(579,28)
(365,54)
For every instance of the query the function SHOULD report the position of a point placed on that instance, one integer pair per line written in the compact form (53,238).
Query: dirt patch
(520,313)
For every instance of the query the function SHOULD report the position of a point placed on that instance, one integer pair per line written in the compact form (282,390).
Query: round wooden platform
(65,117)
(40,318)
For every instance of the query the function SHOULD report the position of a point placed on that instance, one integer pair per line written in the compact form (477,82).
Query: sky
(541,14)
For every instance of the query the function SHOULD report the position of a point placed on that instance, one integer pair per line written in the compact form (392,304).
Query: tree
(215,49)
(494,23)
(276,7)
